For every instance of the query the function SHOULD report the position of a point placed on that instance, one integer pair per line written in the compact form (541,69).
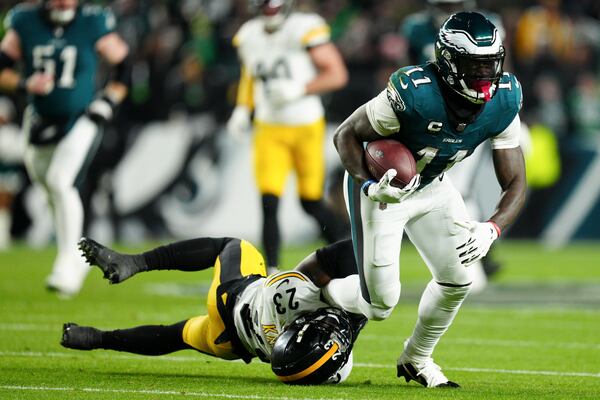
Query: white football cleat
(67,280)
(426,372)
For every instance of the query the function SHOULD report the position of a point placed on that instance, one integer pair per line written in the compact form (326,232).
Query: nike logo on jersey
(402,84)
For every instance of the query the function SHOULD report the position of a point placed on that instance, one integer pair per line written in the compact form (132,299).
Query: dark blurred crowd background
(184,63)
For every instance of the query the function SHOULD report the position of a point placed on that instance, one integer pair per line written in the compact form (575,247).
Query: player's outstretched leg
(80,337)
(115,266)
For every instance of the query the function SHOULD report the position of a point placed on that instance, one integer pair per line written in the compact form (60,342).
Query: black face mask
(460,110)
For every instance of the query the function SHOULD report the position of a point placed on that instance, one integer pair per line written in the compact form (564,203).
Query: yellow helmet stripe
(312,368)
(284,276)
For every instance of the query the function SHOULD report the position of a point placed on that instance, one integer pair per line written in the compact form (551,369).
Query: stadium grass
(533,334)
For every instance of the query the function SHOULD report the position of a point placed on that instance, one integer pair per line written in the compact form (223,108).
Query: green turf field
(533,334)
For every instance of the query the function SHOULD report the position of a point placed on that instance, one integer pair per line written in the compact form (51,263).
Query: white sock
(5,222)
(437,309)
(479,278)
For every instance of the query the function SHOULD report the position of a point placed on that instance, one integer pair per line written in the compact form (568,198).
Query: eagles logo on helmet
(273,12)
(470,56)
(313,348)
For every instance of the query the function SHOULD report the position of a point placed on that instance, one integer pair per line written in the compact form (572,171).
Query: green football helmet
(470,56)
(60,12)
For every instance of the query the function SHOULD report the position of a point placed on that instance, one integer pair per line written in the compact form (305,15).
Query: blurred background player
(420,29)
(12,147)
(58,42)
(287,60)
(284,319)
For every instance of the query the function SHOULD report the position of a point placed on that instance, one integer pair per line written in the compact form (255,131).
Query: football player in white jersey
(286,319)
(287,61)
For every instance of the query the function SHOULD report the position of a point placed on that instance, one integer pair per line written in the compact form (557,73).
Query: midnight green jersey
(68,52)
(425,128)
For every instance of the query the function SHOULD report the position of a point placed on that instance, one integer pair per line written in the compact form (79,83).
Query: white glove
(384,192)
(39,84)
(101,110)
(482,235)
(283,91)
(239,124)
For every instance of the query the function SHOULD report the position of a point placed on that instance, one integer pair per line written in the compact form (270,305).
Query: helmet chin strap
(481,91)
(484,87)
(61,17)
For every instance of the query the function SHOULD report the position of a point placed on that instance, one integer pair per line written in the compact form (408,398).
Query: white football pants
(428,216)
(58,168)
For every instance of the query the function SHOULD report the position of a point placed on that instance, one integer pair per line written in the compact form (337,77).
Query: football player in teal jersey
(441,111)
(59,44)
(420,29)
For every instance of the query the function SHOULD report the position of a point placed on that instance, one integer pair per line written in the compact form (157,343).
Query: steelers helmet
(273,12)
(313,348)
(469,55)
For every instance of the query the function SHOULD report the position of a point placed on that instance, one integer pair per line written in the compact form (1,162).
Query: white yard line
(152,392)
(496,342)
(359,365)
(498,371)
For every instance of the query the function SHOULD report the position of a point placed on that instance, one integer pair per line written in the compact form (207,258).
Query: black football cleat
(80,337)
(428,374)
(115,266)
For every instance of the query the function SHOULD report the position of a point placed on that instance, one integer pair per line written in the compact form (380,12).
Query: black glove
(357,322)
(101,110)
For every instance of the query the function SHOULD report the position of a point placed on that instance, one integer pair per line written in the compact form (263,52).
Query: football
(382,155)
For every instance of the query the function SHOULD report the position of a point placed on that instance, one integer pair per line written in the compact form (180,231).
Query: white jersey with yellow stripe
(268,305)
(282,54)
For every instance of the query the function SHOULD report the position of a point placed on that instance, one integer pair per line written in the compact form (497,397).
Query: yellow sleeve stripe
(236,41)
(278,278)
(320,34)
(245,94)
(312,368)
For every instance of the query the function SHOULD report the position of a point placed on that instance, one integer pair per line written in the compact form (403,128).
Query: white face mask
(62,17)
(273,22)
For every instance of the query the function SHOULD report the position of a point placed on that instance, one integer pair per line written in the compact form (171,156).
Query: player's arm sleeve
(103,23)
(317,32)
(509,138)
(245,93)
(381,115)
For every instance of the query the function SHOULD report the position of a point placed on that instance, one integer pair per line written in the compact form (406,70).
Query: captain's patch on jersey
(394,98)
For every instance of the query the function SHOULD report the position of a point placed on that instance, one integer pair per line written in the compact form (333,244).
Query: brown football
(382,155)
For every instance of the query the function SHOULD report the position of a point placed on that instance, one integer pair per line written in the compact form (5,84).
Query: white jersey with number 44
(282,55)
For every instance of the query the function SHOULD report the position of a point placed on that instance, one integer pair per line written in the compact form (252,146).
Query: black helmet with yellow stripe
(313,348)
